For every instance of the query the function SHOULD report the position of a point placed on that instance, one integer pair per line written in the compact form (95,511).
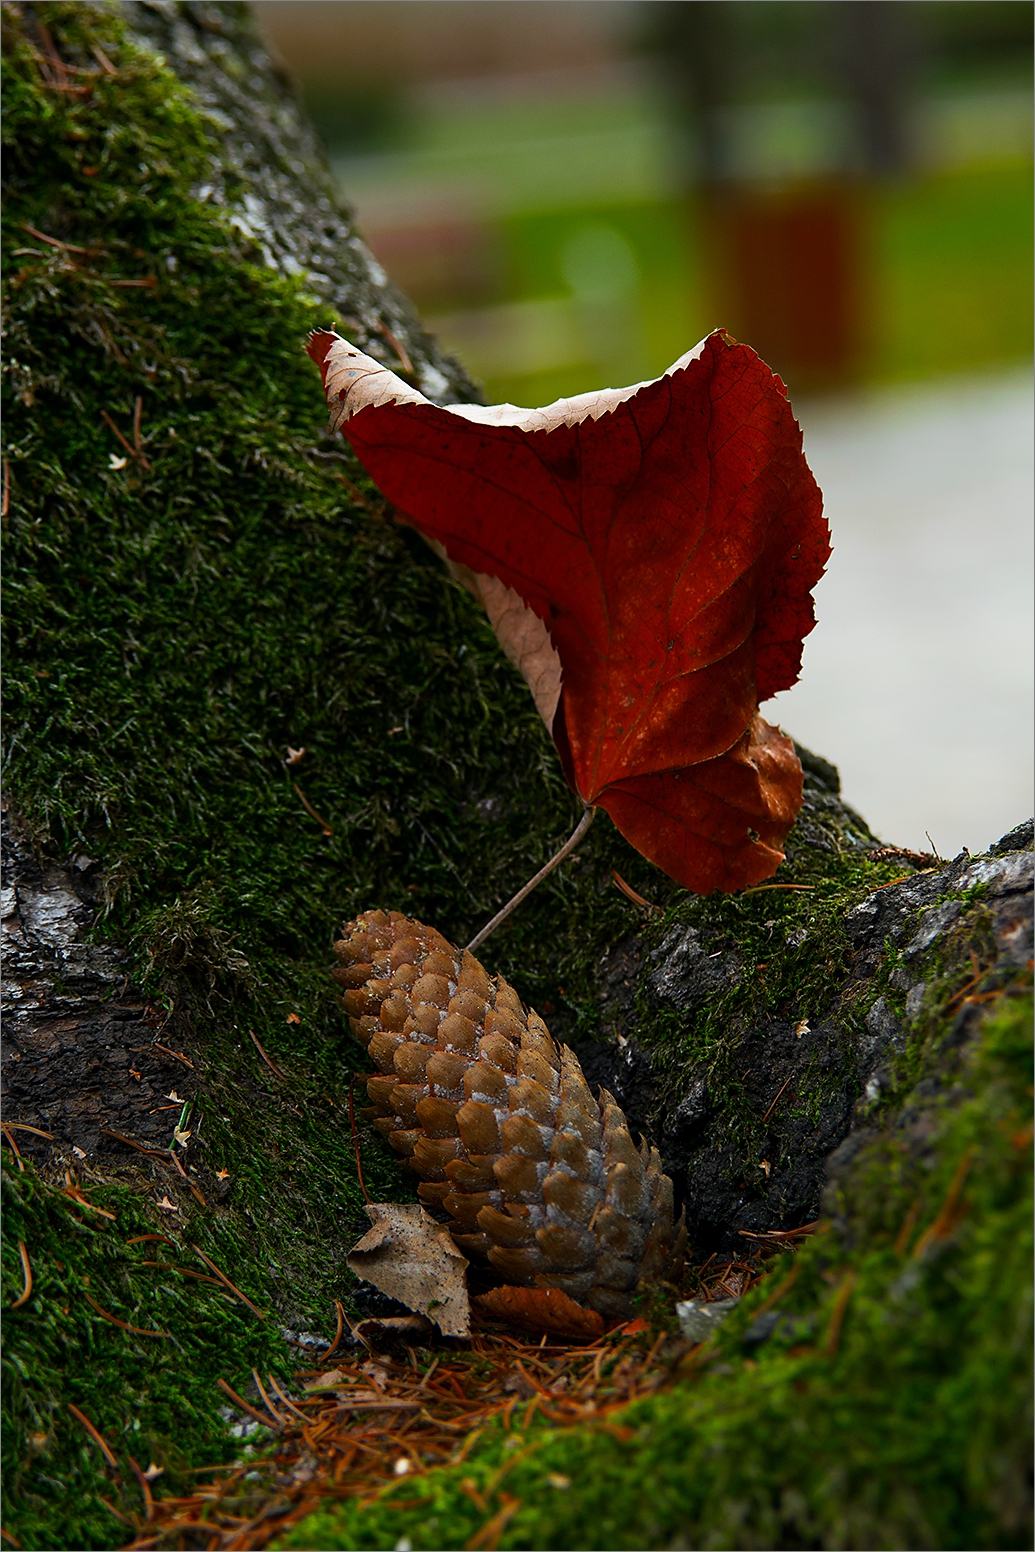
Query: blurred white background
(917,681)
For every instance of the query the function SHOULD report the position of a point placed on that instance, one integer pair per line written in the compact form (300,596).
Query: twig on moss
(75,1194)
(134,452)
(779,1292)
(949,1214)
(23,1126)
(184,1271)
(103,60)
(358,496)
(905,1233)
(488,1538)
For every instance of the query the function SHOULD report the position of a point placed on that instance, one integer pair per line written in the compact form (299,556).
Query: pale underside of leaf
(519,630)
(355,382)
(410,1257)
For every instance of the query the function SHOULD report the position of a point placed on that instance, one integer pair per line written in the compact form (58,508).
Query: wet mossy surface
(176,623)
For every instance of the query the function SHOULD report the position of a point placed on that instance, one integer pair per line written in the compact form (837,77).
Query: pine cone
(499,1122)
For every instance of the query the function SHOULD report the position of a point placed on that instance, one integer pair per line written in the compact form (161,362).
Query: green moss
(890,1407)
(793,956)
(153,1398)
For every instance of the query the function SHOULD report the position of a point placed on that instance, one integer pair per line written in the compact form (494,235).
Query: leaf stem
(573,840)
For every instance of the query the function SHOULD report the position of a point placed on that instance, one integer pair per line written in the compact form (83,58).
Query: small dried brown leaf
(410,1257)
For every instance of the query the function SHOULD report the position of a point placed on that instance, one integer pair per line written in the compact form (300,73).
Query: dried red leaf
(541,1309)
(646,556)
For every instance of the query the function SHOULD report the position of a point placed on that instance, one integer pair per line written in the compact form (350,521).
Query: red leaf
(541,1309)
(646,556)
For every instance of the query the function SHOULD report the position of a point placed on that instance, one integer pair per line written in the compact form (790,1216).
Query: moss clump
(889,1406)
(153,1398)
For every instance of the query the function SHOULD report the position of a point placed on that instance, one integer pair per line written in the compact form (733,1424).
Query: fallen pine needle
(185,1271)
(246,1406)
(145,1488)
(153,1153)
(330,1448)
(833,1336)
(139,1330)
(56,242)
(779,1292)
(631,894)
(15,1150)
(338,1334)
(23,1297)
(770,1110)
(268,1060)
(287,1402)
(97,1438)
(227,1283)
(23,1126)
(488,1538)
(116,1512)
(761,888)
(74,1194)
(271,1409)
(312,811)
(180,1057)
(948,1214)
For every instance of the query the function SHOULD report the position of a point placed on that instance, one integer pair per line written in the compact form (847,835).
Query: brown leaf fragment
(541,1309)
(413,1259)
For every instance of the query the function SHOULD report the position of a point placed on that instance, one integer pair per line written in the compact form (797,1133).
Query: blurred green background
(574,191)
